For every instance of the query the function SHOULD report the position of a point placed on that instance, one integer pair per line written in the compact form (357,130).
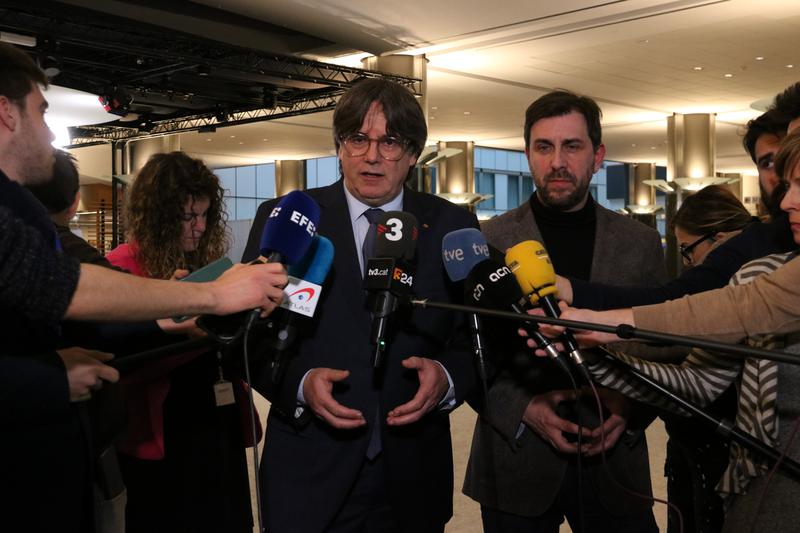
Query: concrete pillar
(691,153)
(140,151)
(289,176)
(638,192)
(403,65)
(457,173)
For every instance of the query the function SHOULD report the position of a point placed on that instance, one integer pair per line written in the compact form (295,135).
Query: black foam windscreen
(492,285)
(396,235)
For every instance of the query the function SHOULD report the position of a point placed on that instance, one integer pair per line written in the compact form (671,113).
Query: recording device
(390,274)
(533,269)
(461,250)
(301,296)
(491,285)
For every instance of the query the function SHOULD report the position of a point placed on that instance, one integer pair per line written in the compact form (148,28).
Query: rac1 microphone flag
(290,228)
(461,250)
(390,274)
(534,271)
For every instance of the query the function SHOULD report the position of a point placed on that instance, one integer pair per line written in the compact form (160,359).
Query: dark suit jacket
(308,466)
(522,476)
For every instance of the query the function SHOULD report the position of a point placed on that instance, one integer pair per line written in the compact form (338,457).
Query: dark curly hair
(154,207)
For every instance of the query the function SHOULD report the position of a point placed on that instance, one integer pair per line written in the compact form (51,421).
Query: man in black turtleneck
(523,465)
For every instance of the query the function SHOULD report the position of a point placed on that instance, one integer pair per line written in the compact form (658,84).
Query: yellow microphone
(533,269)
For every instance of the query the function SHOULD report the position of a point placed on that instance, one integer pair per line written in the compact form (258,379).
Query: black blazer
(308,466)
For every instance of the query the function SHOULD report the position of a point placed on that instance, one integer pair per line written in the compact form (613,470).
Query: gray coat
(523,475)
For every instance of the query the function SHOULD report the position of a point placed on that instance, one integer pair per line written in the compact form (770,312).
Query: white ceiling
(635,57)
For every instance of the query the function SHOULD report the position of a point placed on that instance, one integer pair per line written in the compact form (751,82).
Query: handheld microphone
(290,228)
(534,272)
(461,250)
(302,295)
(286,237)
(491,285)
(390,273)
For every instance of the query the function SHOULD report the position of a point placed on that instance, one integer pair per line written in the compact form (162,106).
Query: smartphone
(210,272)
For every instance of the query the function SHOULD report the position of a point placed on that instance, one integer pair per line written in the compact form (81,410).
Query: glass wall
(245,188)
(505,175)
(321,171)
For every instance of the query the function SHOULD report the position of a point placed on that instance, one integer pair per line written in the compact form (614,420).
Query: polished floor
(466,514)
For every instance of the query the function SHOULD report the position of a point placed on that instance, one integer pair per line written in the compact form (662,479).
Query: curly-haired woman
(182,456)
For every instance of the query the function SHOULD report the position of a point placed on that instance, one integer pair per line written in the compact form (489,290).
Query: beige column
(403,65)
(691,153)
(638,192)
(457,173)
(691,149)
(289,176)
(141,150)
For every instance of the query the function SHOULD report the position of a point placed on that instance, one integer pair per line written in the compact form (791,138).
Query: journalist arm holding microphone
(339,428)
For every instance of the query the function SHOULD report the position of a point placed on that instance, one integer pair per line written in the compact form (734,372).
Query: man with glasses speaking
(348,446)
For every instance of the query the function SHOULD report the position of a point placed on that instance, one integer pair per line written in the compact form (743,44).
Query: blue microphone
(290,229)
(303,294)
(461,250)
(314,266)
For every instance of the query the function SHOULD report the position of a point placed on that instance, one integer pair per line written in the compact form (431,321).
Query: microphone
(286,237)
(290,228)
(533,269)
(302,295)
(461,250)
(491,285)
(390,274)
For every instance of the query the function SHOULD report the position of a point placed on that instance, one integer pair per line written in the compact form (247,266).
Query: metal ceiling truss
(170,82)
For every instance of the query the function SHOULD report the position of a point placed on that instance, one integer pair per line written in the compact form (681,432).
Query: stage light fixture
(116,101)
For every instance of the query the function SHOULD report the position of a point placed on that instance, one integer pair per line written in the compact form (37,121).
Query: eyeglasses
(687,249)
(389,148)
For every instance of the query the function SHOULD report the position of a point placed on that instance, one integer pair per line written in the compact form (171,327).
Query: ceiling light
(728,75)
(467,113)
(241,142)
(759,58)
(265,140)
(633,145)
(16,38)
(208,140)
(698,68)
(233,136)
(790,66)
(435,108)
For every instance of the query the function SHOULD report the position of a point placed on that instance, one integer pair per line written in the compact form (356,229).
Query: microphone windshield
(491,284)
(291,227)
(531,265)
(316,263)
(396,235)
(461,250)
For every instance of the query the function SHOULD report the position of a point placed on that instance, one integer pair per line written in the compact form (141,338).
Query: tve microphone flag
(461,250)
